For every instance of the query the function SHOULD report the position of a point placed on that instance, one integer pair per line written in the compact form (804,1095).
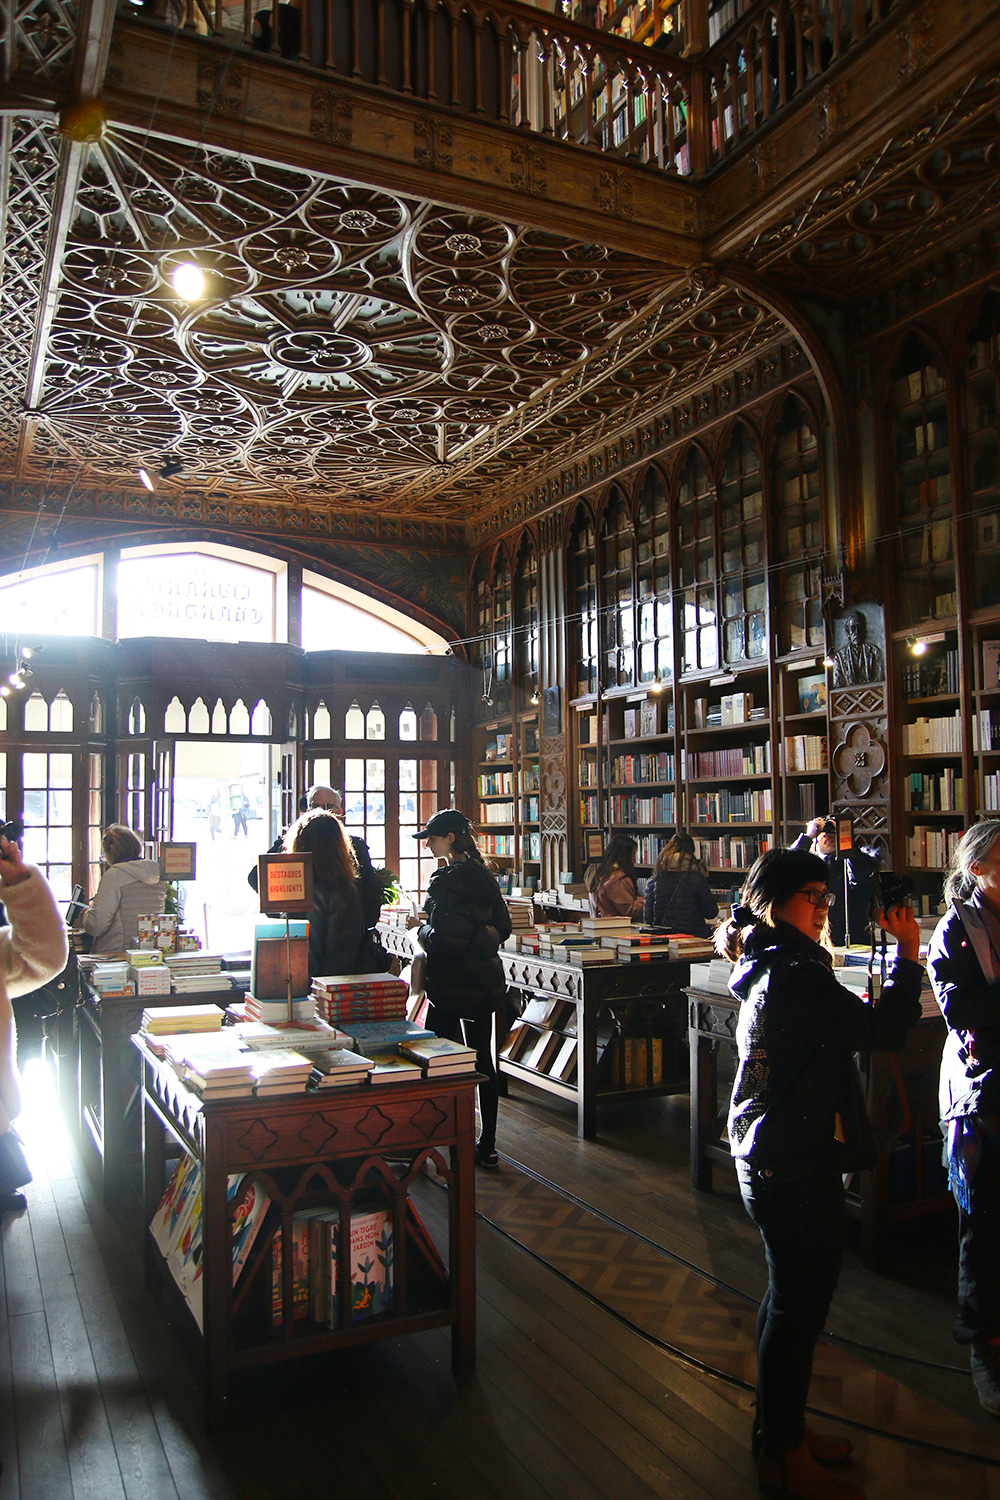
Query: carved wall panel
(859,761)
(553,807)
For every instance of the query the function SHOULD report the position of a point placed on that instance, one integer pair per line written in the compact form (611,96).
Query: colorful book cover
(172,1208)
(371,1266)
(252,1204)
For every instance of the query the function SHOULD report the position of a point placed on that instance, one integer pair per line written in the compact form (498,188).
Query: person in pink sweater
(610,883)
(33,950)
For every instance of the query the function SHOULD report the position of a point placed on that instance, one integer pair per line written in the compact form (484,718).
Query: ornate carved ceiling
(355,347)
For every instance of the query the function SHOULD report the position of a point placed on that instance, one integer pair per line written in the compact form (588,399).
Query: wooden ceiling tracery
(353,344)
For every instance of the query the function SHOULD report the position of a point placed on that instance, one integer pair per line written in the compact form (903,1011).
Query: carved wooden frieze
(859,763)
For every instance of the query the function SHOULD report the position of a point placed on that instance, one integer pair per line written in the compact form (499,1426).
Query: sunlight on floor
(40,1124)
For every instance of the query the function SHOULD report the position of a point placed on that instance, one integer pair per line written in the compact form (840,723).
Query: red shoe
(797,1476)
(824,1448)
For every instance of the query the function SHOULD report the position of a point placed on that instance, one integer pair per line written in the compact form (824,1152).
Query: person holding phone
(797,1124)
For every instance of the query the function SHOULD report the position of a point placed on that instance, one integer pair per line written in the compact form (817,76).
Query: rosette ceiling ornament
(352,346)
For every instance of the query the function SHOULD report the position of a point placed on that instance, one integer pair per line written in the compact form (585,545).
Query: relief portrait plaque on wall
(859,646)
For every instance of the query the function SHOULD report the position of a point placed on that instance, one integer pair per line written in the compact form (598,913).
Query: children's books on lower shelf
(371,1265)
(177,1225)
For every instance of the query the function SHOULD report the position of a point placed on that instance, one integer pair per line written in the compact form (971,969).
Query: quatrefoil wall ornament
(859,760)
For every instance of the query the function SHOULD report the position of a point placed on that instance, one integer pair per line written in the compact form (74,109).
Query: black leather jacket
(798,1031)
(970,1062)
(467,920)
(335,930)
(680,898)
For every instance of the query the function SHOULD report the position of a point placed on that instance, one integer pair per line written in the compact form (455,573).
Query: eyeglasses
(819,898)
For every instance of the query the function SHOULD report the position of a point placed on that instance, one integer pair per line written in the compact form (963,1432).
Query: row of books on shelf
(806,802)
(926,679)
(806,752)
(627,770)
(732,708)
(643,721)
(629,810)
(991,792)
(501,845)
(745,760)
(496,812)
(933,736)
(986,729)
(529,809)
(931,848)
(922,437)
(496,784)
(911,387)
(939,793)
(730,806)
(731,852)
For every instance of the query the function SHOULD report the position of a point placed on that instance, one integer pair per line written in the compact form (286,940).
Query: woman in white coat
(33,950)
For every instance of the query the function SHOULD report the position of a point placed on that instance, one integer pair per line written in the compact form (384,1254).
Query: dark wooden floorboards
(97,1402)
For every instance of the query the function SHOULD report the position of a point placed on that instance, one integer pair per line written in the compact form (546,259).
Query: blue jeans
(801,1221)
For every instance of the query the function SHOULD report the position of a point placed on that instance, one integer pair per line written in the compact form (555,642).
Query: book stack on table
(213,1064)
(197,973)
(338,1067)
(345,998)
(278,1070)
(168,1020)
(438,1057)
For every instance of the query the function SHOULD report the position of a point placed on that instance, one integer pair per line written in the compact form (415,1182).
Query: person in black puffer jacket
(336,926)
(797,1122)
(678,894)
(466,920)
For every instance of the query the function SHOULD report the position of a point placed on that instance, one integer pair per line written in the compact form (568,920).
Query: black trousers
(802,1225)
(979,1251)
(475,1032)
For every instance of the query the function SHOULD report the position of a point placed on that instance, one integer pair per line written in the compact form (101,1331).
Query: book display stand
(285,884)
(335,1149)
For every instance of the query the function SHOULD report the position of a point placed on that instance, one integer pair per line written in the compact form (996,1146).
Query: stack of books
(392,1067)
(197,973)
(378,1038)
(337,1067)
(273,1011)
(439,1057)
(112,979)
(213,1065)
(345,998)
(522,912)
(280,1071)
(169,1019)
(306,1036)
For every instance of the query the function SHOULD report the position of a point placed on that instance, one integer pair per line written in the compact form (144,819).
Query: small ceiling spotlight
(657,685)
(167,470)
(829,662)
(188,281)
(536,697)
(27,652)
(916,645)
(4,691)
(16,680)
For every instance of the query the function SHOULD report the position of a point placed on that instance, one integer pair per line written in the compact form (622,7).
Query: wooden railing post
(698,129)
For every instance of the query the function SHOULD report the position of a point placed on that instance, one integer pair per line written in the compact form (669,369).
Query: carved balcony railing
(499,61)
(775,52)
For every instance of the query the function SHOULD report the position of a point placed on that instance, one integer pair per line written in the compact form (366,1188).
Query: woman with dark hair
(797,1123)
(610,881)
(678,895)
(336,926)
(465,921)
(129,888)
(963,959)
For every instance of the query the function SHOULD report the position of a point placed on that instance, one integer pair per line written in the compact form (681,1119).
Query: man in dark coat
(852,871)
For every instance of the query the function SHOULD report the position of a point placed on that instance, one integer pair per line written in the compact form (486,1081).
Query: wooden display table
(107,1082)
(308,1149)
(622,996)
(712,1020)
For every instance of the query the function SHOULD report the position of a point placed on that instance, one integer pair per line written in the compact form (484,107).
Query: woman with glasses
(797,1123)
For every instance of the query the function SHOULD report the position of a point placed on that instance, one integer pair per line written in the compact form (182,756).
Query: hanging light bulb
(188,281)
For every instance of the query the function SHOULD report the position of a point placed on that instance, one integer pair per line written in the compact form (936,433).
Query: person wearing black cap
(821,838)
(465,921)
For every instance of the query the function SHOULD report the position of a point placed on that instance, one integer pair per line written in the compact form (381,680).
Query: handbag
(14,1169)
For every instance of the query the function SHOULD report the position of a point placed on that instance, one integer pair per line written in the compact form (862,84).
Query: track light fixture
(167,470)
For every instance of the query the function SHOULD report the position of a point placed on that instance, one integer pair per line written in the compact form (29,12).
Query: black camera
(889,890)
(12,831)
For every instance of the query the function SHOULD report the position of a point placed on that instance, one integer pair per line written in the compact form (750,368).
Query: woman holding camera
(963,959)
(797,1122)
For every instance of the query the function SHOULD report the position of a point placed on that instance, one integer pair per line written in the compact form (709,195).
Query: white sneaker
(984,1360)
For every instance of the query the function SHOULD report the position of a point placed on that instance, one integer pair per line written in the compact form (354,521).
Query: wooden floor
(568,1401)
